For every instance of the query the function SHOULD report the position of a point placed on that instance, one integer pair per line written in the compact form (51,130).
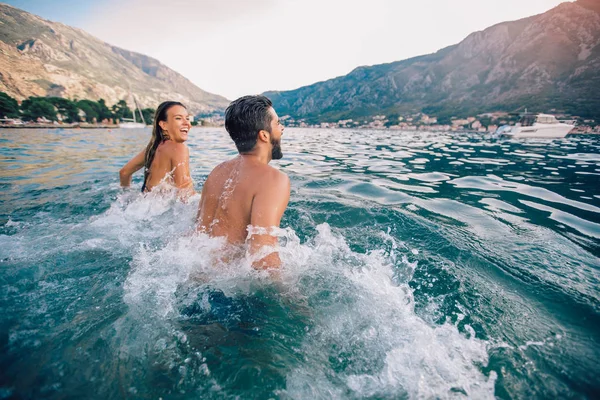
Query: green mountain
(545,62)
(44,58)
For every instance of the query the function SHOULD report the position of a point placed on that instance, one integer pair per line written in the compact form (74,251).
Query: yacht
(536,126)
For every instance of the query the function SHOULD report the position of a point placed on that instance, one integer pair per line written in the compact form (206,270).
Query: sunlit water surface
(415,265)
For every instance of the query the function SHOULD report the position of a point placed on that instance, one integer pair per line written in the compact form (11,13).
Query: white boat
(129,123)
(536,126)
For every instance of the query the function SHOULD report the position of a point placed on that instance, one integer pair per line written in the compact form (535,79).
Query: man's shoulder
(276,180)
(221,169)
(276,175)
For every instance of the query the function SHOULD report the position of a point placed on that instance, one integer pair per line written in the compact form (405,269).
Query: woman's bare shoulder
(173,149)
(174,146)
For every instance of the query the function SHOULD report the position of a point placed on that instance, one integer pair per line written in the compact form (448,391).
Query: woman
(166,154)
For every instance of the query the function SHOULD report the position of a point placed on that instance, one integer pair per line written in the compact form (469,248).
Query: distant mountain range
(545,62)
(548,62)
(44,58)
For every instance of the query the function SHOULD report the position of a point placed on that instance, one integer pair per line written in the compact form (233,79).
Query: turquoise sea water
(416,265)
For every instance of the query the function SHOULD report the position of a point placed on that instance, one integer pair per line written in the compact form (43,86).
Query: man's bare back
(246,192)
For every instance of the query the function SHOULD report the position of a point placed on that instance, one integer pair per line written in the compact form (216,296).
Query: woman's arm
(133,165)
(180,162)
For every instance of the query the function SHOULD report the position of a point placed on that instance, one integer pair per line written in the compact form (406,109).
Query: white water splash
(365,338)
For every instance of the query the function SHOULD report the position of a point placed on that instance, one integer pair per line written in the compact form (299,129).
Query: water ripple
(416,265)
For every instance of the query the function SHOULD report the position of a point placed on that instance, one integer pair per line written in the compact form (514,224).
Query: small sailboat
(129,123)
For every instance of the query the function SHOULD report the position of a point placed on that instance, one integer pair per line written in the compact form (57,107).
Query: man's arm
(267,209)
(203,218)
(133,165)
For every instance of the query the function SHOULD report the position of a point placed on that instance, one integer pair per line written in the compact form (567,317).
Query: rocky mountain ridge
(545,62)
(44,58)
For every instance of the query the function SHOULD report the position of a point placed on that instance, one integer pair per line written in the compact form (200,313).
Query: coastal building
(428,120)
(460,122)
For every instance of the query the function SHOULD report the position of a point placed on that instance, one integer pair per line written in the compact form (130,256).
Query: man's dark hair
(245,117)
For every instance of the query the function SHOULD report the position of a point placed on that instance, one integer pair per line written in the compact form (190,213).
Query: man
(243,199)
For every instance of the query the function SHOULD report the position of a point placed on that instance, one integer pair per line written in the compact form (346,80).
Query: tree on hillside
(9,108)
(95,109)
(90,108)
(148,114)
(38,107)
(120,110)
(66,108)
(103,111)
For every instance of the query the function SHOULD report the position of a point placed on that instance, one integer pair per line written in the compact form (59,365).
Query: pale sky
(238,47)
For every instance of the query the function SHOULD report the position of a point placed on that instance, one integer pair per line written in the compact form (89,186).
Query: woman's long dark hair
(158,136)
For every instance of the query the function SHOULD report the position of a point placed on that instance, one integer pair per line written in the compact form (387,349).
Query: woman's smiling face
(177,124)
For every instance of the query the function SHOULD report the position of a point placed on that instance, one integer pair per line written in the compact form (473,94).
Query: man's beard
(276,153)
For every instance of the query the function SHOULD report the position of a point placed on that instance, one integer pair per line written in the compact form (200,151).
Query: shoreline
(114,126)
(60,126)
